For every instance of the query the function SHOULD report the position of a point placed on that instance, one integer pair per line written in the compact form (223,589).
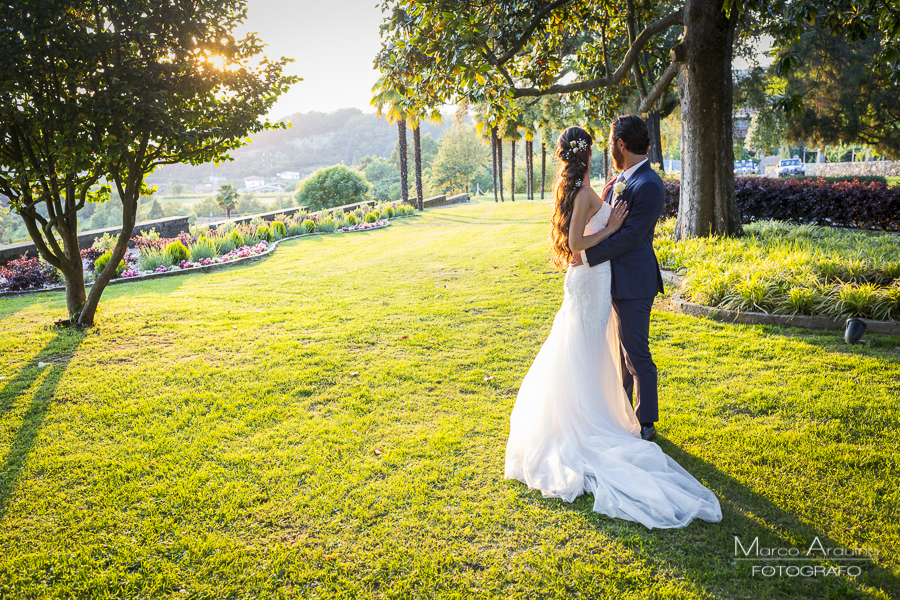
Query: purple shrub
(27,274)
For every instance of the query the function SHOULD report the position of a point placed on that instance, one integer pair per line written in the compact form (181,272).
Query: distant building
(288,175)
(272,187)
(741,119)
(252,183)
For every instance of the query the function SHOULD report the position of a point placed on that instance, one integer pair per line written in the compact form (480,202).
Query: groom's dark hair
(632,130)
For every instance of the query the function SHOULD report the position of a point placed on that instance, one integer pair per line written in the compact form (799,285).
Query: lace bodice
(586,287)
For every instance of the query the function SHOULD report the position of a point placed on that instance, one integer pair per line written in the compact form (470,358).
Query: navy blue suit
(636,280)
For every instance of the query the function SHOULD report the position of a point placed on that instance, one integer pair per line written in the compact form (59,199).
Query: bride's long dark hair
(572,149)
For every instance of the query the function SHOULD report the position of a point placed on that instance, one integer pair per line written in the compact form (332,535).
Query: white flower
(620,187)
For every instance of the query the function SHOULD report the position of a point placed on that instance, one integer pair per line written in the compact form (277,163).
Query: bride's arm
(577,240)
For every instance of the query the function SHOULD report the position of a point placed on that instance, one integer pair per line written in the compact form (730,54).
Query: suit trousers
(639,376)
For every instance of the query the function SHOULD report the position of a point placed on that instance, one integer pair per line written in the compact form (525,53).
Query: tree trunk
(707,205)
(129,214)
(605,164)
(494,161)
(404,172)
(820,157)
(529,173)
(512,170)
(655,155)
(500,166)
(543,167)
(417,149)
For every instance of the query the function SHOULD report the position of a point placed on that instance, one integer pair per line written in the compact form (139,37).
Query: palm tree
(484,124)
(511,132)
(390,103)
(416,115)
(227,198)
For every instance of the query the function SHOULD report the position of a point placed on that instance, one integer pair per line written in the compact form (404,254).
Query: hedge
(861,205)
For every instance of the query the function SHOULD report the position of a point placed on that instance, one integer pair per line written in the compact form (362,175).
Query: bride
(572,430)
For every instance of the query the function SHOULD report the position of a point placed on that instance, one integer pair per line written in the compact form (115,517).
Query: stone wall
(441,200)
(884,168)
(267,216)
(167,228)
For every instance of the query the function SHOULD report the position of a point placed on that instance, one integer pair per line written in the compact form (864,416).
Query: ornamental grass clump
(278,230)
(325,225)
(360,214)
(104,259)
(295,228)
(849,300)
(753,293)
(202,248)
(264,233)
(176,252)
(799,301)
(308,225)
(151,259)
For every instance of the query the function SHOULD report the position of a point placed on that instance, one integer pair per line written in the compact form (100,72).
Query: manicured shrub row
(856,204)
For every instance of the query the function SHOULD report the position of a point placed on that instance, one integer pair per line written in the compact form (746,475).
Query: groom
(635,271)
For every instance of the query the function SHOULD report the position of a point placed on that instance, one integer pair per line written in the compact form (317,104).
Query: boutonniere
(620,187)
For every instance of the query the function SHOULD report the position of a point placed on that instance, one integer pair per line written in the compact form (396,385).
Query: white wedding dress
(573,431)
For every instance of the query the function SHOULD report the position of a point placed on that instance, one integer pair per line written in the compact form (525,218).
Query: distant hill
(313,141)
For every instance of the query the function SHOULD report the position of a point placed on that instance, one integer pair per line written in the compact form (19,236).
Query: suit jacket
(635,270)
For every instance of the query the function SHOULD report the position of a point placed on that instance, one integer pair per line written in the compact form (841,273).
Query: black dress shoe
(648,433)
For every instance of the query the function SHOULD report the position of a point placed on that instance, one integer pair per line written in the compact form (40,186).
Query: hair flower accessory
(578,183)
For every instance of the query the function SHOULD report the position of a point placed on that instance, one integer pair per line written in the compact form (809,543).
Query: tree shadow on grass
(56,354)
(706,553)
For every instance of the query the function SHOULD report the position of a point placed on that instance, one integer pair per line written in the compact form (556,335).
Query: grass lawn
(215,436)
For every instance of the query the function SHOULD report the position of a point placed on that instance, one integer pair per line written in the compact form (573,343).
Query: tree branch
(661,85)
(523,39)
(652,29)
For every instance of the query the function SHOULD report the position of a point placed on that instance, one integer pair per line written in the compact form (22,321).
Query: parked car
(744,167)
(791,166)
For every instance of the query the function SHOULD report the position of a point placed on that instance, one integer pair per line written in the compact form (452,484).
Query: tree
(494,52)
(227,198)
(461,155)
(382,175)
(767,131)
(96,95)
(334,186)
(842,101)
(389,100)
(177,190)
(156,211)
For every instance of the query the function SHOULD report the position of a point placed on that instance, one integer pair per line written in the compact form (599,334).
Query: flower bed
(780,268)
(201,248)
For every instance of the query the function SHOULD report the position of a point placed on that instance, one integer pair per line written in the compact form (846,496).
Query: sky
(333,43)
